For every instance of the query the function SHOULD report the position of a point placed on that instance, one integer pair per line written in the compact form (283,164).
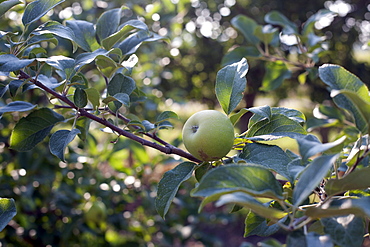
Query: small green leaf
(37,9)
(169,185)
(93,96)
(257,225)
(357,180)
(16,106)
(271,157)
(9,63)
(164,116)
(57,29)
(309,25)
(247,201)
(238,53)
(62,63)
(230,85)
(311,177)
(276,73)
(6,5)
(277,126)
(60,140)
(277,18)
(32,129)
(235,117)
(310,145)
(259,113)
(247,27)
(80,98)
(122,98)
(266,33)
(106,65)
(311,239)
(362,106)
(148,126)
(108,22)
(134,41)
(252,179)
(123,32)
(7,211)
(337,78)
(88,57)
(84,32)
(345,230)
(342,206)
(121,84)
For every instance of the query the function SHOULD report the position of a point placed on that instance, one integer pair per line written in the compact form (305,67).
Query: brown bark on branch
(158,144)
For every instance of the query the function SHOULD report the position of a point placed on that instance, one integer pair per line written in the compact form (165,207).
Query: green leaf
(58,29)
(277,18)
(164,116)
(108,22)
(88,57)
(238,53)
(252,179)
(277,126)
(311,177)
(311,239)
(276,73)
(84,32)
(80,97)
(310,145)
(9,63)
(342,206)
(235,117)
(337,78)
(309,25)
(32,129)
(266,33)
(122,98)
(6,5)
(345,230)
(247,27)
(106,65)
(123,32)
(16,106)
(363,107)
(272,157)
(358,179)
(247,201)
(230,85)
(134,41)
(259,113)
(257,225)
(60,140)
(62,63)
(7,211)
(292,114)
(169,185)
(46,37)
(93,96)
(121,84)
(37,9)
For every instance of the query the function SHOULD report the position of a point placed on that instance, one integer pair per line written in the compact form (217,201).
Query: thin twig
(164,147)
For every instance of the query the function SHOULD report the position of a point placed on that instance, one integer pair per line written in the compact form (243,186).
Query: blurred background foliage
(53,198)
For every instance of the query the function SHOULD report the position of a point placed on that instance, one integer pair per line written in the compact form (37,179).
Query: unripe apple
(208,135)
(95,211)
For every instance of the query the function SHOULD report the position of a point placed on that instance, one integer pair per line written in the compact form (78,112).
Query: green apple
(208,135)
(95,211)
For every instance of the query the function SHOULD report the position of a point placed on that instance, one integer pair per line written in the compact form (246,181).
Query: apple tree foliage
(318,196)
